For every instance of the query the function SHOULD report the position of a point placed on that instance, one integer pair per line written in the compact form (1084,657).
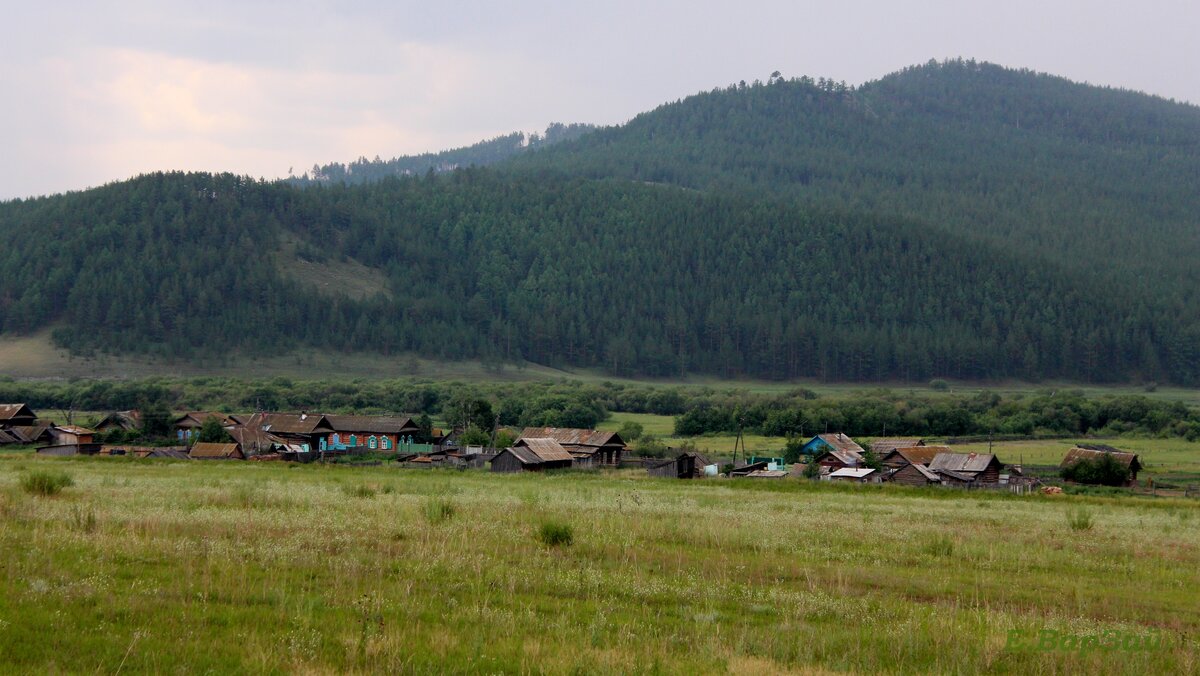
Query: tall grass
(46,482)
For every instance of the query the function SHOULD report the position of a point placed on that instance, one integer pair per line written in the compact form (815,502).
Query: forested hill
(932,223)
(1089,177)
(480,154)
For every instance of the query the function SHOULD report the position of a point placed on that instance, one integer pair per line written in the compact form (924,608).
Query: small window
(373,443)
(353,440)
(387,443)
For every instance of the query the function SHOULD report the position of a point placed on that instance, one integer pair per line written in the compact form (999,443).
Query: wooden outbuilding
(915,474)
(67,435)
(126,421)
(16,415)
(682,466)
(532,455)
(1098,451)
(981,468)
(601,448)
(857,474)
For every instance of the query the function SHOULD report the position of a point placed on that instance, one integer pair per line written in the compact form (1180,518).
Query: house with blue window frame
(384,433)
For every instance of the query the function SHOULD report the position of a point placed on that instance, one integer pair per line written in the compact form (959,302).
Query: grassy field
(184,566)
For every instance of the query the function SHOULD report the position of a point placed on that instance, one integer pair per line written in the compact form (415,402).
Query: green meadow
(162,566)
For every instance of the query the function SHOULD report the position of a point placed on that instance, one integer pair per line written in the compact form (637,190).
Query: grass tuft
(940,546)
(439,510)
(1080,519)
(45,482)
(359,491)
(556,534)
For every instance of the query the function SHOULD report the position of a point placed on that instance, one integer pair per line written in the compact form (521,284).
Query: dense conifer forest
(955,219)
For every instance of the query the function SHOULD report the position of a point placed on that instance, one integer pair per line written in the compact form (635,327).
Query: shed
(683,466)
(767,474)
(532,455)
(605,448)
(210,451)
(1097,451)
(858,474)
(71,434)
(915,474)
(126,421)
(747,469)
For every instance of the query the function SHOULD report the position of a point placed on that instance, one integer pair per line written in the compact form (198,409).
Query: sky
(102,91)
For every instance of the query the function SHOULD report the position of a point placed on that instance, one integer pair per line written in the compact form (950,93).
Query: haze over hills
(954,219)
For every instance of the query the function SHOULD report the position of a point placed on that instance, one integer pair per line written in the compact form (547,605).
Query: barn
(1097,451)
(915,474)
(601,448)
(981,468)
(683,466)
(532,455)
(202,450)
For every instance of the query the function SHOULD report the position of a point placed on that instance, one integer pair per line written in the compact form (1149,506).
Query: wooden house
(682,466)
(17,415)
(373,432)
(532,455)
(593,446)
(914,474)
(907,455)
(126,421)
(981,468)
(834,451)
(301,432)
(1097,451)
(202,450)
(187,426)
(26,435)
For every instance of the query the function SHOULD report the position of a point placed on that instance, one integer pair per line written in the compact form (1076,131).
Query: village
(401,441)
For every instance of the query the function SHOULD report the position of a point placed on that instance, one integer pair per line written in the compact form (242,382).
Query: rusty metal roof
(10,411)
(74,429)
(925,471)
(917,454)
(961,462)
(569,436)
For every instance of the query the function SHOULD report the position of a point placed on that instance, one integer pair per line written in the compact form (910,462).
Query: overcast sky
(101,91)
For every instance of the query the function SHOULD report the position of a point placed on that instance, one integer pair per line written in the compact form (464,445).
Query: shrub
(1103,471)
(46,483)
(556,534)
(939,385)
(1080,519)
(438,510)
(631,431)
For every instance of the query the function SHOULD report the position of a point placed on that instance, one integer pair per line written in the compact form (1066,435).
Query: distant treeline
(698,410)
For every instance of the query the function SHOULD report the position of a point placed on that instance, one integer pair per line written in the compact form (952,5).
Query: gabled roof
(210,450)
(767,474)
(839,442)
(925,471)
(127,419)
(372,424)
(844,457)
(544,449)
(569,436)
(292,423)
(10,411)
(197,418)
(851,472)
(962,462)
(29,434)
(74,429)
(914,455)
(1078,453)
(884,446)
